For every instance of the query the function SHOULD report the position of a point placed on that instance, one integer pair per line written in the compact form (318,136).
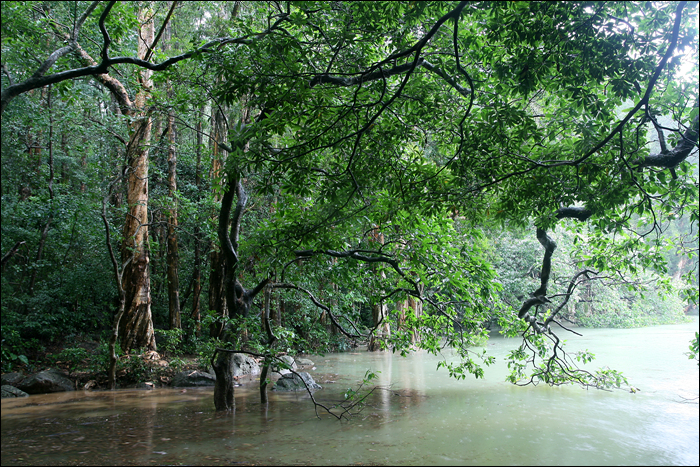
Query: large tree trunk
(136,327)
(217,260)
(217,290)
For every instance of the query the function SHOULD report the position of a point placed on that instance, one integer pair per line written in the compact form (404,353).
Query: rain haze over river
(421,416)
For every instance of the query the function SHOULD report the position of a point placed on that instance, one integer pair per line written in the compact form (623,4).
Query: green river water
(421,417)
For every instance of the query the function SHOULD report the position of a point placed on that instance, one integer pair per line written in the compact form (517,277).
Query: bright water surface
(424,418)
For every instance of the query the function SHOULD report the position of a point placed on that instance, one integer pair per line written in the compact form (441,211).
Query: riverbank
(148,370)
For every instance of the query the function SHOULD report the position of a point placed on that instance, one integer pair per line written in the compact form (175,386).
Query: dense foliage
(328,174)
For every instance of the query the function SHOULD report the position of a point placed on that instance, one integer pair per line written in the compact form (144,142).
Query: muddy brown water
(419,416)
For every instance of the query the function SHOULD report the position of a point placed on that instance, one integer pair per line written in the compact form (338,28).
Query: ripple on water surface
(418,416)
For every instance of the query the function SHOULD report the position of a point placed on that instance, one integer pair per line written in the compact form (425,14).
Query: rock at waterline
(11,391)
(13,379)
(303,361)
(188,379)
(148,385)
(241,365)
(45,382)
(289,360)
(292,382)
(245,365)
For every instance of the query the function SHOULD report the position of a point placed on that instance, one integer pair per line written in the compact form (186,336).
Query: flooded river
(420,417)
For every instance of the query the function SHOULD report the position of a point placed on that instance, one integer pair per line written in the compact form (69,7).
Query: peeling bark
(136,328)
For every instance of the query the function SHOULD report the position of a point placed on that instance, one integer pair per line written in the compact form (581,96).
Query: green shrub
(694,349)
(12,350)
(74,357)
(99,360)
(170,340)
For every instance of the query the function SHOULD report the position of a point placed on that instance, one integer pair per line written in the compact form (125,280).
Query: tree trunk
(136,327)
(113,343)
(680,266)
(379,310)
(173,256)
(379,313)
(416,307)
(45,231)
(263,382)
(217,260)
(223,388)
(217,290)
(197,270)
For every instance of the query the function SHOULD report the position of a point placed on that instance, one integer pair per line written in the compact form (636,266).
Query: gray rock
(13,379)
(244,365)
(193,378)
(304,361)
(45,382)
(292,382)
(11,391)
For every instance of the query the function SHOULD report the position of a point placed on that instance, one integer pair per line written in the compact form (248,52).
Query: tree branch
(321,306)
(34,82)
(670,159)
(6,257)
(160,32)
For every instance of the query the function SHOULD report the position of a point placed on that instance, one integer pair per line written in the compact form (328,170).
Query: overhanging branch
(38,80)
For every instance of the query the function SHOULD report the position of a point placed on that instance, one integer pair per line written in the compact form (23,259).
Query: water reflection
(418,417)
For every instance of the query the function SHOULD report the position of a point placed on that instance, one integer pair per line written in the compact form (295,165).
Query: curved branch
(79,24)
(321,306)
(160,32)
(107,40)
(35,82)
(549,247)
(363,78)
(572,285)
(572,212)
(670,159)
(6,257)
(645,99)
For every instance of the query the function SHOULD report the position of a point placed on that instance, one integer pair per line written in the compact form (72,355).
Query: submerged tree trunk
(223,388)
(264,373)
(271,338)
